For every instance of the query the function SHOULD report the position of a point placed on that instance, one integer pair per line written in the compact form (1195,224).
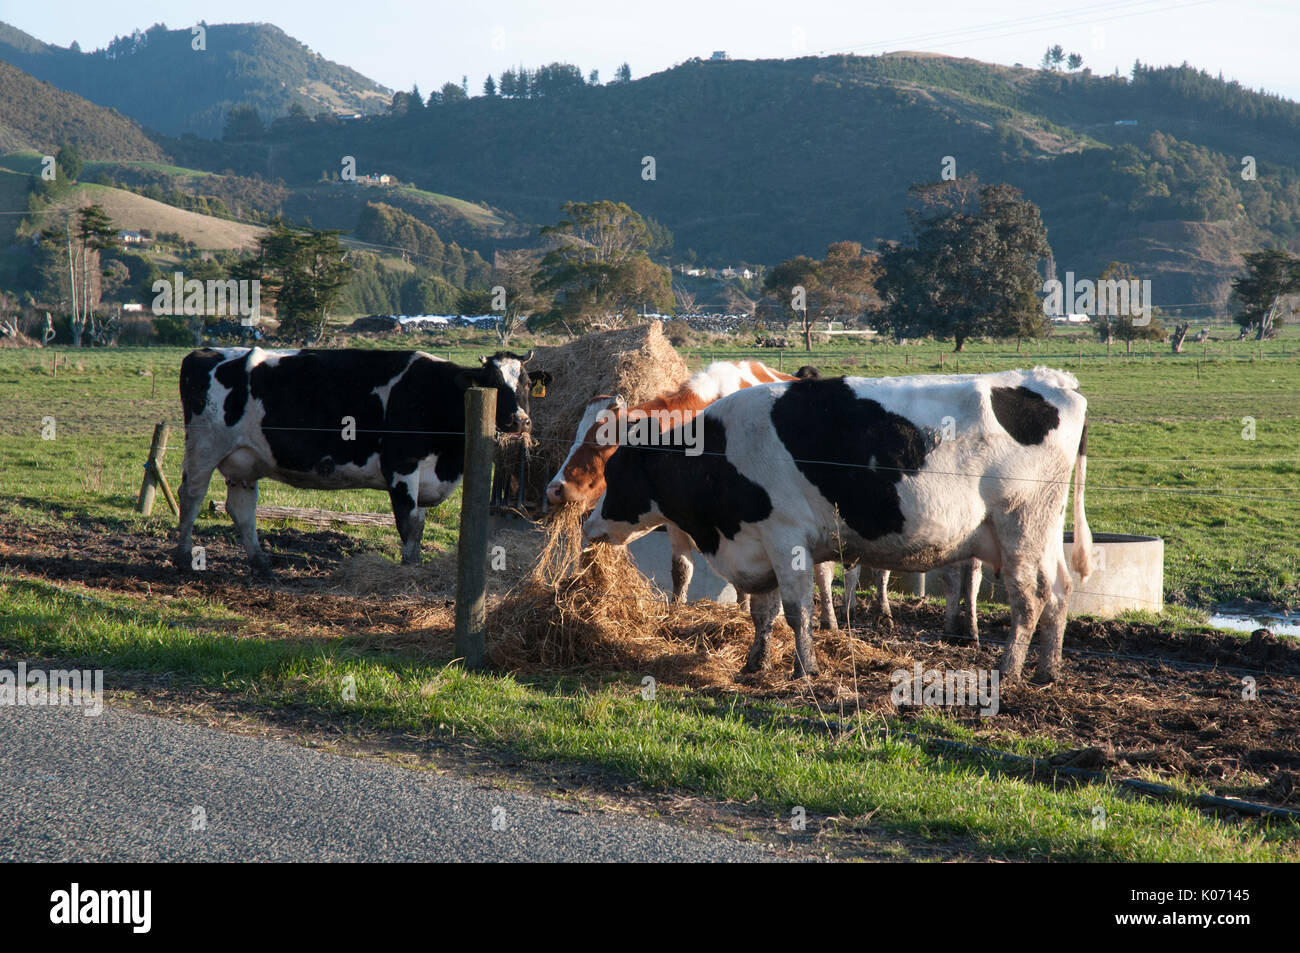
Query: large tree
(971,269)
(1117,324)
(1262,294)
(512,288)
(840,285)
(597,268)
(304,273)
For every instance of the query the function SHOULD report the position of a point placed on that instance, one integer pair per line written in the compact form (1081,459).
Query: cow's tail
(1081,551)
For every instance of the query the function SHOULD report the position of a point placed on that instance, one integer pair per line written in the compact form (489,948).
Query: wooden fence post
(471,554)
(153,474)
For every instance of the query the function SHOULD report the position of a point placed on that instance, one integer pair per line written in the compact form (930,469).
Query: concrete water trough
(1128,573)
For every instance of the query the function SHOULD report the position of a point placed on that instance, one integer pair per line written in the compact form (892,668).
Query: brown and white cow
(581,478)
(905,473)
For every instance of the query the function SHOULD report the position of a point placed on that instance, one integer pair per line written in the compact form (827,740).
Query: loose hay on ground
(592,609)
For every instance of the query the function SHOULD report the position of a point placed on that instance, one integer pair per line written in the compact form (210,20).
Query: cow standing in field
(581,478)
(333,420)
(862,467)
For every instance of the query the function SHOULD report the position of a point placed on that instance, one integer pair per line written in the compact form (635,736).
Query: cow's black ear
(543,376)
(466,379)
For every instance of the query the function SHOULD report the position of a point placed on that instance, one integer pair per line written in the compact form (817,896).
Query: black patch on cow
(1083,439)
(852,449)
(306,396)
(1025,414)
(196,375)
(403,505)
(234,374)
(705,495)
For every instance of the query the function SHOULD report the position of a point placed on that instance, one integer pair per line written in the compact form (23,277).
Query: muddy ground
(1135,699)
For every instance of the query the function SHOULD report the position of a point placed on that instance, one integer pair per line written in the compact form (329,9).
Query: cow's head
(627,509)
(506,373)
(581,478)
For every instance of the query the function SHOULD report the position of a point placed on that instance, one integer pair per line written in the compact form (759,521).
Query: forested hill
(39,117)
(759,160)
(158,78)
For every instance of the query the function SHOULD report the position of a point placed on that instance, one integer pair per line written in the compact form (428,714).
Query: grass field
(1167,457)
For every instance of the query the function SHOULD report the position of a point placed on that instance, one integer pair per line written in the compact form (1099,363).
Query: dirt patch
(1137,699)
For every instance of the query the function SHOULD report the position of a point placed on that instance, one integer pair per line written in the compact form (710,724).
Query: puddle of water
(1240,622)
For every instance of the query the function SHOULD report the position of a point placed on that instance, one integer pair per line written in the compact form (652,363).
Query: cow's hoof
(755,665)
(1045,676)
(828,625)
(804,673)
(183,561)
(261,564)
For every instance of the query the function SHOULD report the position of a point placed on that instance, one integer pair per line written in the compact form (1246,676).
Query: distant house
(347,117)
(132,238)
(719,55)
(381,179)
(695,272)
(132,307)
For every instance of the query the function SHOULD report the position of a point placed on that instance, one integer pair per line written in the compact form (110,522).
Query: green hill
(39,117)
(156,76)
(760,160)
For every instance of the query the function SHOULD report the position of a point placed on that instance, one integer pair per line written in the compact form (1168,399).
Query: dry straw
(591,610)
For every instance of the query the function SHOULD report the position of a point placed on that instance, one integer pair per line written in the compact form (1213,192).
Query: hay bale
(638,363)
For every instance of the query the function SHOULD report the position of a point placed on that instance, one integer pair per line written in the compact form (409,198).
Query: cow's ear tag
(539,389)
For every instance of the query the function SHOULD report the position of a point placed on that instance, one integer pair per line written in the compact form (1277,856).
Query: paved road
(124,787)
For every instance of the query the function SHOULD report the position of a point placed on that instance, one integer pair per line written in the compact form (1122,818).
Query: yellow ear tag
(539,389)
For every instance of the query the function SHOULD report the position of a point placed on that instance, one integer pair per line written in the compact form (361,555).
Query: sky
(398,44)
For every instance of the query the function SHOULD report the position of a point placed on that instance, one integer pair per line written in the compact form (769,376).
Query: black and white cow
(906,473)
(333,420)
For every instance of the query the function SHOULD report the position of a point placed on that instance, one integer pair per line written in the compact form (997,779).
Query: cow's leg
(879,611)
(195,478)
(683,565)
(851,576)
(952,577)
(1056,586)
(825,576)
(968,624)
(404,494)
(796,587)
(1022,547)
(241,504)
(763,607)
